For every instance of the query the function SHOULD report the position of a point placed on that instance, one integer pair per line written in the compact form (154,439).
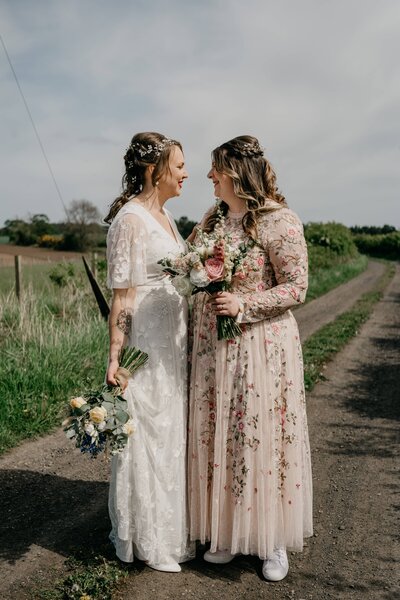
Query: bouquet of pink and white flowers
(99,418)
(209,266)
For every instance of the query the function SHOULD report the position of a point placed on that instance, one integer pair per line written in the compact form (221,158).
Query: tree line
(83,229)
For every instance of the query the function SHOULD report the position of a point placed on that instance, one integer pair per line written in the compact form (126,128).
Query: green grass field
(51,345)
(34,276)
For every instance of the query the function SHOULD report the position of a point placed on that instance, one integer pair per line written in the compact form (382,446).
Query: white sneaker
(220,557)
(276,567)
(172,567)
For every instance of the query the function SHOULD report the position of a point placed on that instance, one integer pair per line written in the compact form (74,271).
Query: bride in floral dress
(147,500)
(250,488)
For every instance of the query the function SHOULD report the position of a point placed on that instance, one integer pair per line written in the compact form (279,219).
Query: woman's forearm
(120,321)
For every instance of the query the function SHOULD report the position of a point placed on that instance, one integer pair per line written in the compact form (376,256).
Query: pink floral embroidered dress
(250,487)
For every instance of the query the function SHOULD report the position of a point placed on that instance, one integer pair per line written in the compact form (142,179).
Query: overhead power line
(33,125)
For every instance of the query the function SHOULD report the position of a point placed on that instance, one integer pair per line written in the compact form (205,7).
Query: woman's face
(223,184)
(171,182)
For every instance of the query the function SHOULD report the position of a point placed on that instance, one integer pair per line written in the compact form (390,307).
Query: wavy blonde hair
(147,148)
(254,181)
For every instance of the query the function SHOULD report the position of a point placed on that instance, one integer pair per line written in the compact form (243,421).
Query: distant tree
(83,213)
(373,229)
(19,232)
(82,228)
(185,226)
(40,225)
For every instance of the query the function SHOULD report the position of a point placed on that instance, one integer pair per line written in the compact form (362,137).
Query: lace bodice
(135,243)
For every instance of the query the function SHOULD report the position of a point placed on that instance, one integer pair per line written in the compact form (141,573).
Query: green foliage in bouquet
(100,417)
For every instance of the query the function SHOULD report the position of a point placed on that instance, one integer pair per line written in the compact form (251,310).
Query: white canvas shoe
(172,567)
(276,567)
(220,557)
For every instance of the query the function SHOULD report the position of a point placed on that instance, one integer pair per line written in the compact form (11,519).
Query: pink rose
(214,269)
(260,261)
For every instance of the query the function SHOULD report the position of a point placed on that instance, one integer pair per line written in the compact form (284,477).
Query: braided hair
(145,149)
(254,181)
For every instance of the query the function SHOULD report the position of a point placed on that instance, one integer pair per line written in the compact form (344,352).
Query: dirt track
(54,500)
(32,255)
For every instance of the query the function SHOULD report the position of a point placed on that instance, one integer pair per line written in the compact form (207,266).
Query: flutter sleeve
(126,252)
(283,240)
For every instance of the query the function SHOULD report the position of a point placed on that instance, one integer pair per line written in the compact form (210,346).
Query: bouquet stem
(227,328)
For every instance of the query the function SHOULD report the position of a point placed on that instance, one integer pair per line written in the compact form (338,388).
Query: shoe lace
(280,555)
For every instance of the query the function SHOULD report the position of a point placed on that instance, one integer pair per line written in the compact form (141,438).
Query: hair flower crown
(156,149)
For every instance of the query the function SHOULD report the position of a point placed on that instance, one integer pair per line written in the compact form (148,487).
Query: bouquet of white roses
(209,266)
(99,418)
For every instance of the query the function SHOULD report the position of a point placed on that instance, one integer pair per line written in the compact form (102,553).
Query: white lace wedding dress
(147,500)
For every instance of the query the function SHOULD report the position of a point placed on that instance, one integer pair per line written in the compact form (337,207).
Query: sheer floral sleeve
(282,239)
(126,252)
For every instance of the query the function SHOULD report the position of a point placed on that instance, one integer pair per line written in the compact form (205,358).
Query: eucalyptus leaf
(109,406)
(122,416)
(107,397)
(111,423)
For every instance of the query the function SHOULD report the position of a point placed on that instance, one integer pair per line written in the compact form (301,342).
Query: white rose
(97,414)
(182,285)
(90,429)
(193,258)
(101,426)
(199,277)
(129,427)
(77,402)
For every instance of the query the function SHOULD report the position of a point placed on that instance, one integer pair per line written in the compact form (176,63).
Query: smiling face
(223,184)
(170,184)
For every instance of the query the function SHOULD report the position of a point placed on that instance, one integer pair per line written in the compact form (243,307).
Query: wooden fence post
(18,286)
(94,264)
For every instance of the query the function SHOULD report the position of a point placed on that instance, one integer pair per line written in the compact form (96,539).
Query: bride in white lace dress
(147,501)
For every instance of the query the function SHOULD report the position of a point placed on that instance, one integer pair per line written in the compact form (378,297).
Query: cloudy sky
(317,81)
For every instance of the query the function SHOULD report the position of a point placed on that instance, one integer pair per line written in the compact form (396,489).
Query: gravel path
(53,500)
(317,313)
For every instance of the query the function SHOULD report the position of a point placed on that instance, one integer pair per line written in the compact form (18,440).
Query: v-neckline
(174,238)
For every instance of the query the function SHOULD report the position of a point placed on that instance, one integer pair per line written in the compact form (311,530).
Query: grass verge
(322,280)
(50,348)
(330,339)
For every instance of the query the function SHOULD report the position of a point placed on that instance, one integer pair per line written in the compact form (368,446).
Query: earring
(157,183)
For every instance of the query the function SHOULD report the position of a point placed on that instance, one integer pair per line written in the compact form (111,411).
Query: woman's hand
(111,370)
(117,375)
(191,237)
(225,304)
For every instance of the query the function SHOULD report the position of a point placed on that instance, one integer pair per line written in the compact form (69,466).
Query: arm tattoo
(124,321)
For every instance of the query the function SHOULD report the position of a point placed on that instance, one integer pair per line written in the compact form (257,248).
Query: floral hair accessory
(249,150)
(156,149)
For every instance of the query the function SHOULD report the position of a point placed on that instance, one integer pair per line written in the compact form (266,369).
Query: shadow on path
(52,512)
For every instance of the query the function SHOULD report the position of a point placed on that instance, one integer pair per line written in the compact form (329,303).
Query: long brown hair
(254,181)
(147,148)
